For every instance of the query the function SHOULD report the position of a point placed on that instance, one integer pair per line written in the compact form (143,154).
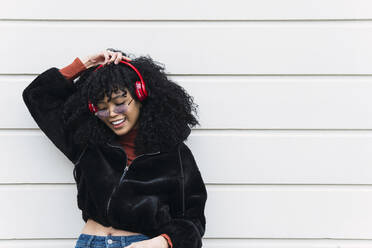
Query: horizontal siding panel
(289,212)
(326,212)
(285,243)
(249,158)
(37,243)
(283,157)
(196,47)
(242,102)
(37,211)
(30,157)
(189,10)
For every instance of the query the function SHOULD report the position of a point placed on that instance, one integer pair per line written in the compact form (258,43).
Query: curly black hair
(166,116)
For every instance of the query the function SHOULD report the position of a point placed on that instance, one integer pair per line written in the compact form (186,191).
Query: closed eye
(115,104)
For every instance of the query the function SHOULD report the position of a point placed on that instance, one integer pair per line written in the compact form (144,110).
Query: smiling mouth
(119,123)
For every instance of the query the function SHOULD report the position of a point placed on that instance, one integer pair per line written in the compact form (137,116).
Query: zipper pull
(123,175)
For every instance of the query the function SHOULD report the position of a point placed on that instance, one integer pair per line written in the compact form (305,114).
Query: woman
(119,111)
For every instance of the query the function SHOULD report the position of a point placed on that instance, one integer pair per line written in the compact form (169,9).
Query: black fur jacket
(160,192)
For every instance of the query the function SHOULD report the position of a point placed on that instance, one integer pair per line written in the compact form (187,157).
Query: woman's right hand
(103,57)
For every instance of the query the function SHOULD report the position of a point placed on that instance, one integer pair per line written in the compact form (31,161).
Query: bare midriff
(94,228)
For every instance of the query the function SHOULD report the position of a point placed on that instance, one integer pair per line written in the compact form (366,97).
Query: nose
(112,112)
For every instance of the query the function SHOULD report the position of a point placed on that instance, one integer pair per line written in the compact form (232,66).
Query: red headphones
(140,87)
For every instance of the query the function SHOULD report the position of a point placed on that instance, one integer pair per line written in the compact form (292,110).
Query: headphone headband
(140,86)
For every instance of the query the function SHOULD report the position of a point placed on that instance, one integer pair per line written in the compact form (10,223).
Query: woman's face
(123,101)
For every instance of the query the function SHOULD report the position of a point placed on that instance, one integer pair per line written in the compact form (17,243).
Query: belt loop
(90,240)
(123,241)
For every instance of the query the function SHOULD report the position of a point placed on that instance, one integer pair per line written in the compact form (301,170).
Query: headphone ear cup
(141,94)
(92,108)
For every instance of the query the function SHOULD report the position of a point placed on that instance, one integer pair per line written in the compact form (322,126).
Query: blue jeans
(109,241)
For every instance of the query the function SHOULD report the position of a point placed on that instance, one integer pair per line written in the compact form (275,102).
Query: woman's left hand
(156,242)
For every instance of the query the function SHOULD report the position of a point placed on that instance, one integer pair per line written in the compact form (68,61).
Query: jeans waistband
(109,239)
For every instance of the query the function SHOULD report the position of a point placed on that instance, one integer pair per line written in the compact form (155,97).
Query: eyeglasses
(119,109)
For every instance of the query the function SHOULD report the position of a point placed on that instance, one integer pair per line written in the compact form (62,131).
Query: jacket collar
(116,143)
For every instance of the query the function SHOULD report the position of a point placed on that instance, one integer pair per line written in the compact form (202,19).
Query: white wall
(285,143)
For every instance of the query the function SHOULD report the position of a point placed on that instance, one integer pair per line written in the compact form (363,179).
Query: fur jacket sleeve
(44,97)
(187,230)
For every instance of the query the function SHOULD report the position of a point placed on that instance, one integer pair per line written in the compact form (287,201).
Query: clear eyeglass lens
(103,113)
(120,109)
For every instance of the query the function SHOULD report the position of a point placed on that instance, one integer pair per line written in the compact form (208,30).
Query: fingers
(121,57)
(118,58)
(126,58)
(107,56)
(115,57)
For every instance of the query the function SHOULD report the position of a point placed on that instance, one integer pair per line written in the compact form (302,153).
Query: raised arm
(46,95)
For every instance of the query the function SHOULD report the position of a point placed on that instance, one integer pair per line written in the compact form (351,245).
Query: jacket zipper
(182,184)
(125,171)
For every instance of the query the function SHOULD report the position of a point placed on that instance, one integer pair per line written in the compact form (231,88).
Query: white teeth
(117,122)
